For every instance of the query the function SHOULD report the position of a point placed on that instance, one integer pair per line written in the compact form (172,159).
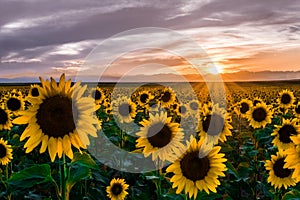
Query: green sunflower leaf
(76,174)
(84,159)
(31,176)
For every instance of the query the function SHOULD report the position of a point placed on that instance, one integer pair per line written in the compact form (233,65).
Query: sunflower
(257,100)
(5,119)
(214,124)
(243,107)
(5,152)
(279,175)
(286,99)
(283,132)
(297,110)
(98,95)
(292,161)
(34,91)
(197,169)
(14,103)
(124,109)
(117,189)
(259,115)
(194,106)
(183,110)
(58,118)
(160,137)
(143,98)
(167,97)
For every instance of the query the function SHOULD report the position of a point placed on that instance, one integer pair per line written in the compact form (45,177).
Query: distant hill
(240,76)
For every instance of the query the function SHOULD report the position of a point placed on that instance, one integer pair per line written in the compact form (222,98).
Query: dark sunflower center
(215,126)
(194,106)
(174,106)
(182,109)
(116,189)
(256,102)
(144,97)
(244,107)
(285,132)
(3,116)
(124,109)
(55,116)
(297,109)
(286,99)
(97,95)
(159,135)
(2,151)
(193,167)
(166,97)
(259,114)
(279,171)
(35,92)
(13,104)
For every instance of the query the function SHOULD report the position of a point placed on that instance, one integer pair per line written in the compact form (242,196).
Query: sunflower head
(279,176)
(297,110)
(214,124)
(58,118)
(34,91)
(197,169)
(117,190)
(124,109)
(243,107)
(14,103)
(167,97)
(286,99)
(5,119)
(159,137)
(194,105)
(98,95)
(284,132)
(259,115)
(5,152)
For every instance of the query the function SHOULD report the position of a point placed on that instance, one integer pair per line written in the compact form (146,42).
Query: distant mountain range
(226,77)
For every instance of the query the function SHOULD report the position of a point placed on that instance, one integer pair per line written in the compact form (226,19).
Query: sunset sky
(47,38)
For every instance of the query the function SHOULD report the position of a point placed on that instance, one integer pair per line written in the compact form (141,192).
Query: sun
(215,69)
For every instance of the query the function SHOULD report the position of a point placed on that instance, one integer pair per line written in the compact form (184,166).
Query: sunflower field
(64,140)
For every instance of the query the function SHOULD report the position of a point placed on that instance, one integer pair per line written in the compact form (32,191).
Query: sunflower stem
(158,184)
(64,193)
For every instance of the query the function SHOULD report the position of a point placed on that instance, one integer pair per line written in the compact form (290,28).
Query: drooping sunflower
(5,119)
(58,118)
(286,99)
(123,109)
(160,137)
(167,97)
(197,169)
(259,115)
(5,152)
(117,189)
(283,133)
(14,103)
(243,107)
(292,161)
(279,176)
(214,124)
